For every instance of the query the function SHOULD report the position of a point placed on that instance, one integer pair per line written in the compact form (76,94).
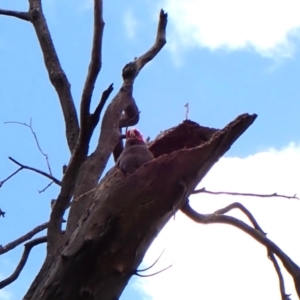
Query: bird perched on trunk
(135,153)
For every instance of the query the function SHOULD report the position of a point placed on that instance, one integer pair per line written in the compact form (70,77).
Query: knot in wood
(34,14)
(129,71)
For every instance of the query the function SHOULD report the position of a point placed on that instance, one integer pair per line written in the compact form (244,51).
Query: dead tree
(113,222)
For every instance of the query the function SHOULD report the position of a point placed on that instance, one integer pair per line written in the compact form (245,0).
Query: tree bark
(127,213)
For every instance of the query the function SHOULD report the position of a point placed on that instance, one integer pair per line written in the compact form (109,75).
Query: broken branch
(17,14)
(96,115)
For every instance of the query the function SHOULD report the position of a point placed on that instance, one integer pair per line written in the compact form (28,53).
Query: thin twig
(143,270)
(45,188)
(36,141)
(18,14)
(203,190)
(137,272)
(58,182)
(27,248)
(160,271)
(23,238)
(187,111)
(10,176)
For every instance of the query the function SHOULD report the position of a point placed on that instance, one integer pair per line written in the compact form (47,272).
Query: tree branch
(124,101)
(271,256)
(203,190)
(292,268)
(18,14)
(56,74)
(27,248)
(242,208)
(10,176)
(81,150)
(160,188)
(94,67)
(46,187)
(284,296)
(96,115)
(132,69)
(110,135)
(35,170)
(22,239)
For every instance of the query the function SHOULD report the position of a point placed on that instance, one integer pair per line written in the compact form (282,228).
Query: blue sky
(224,59)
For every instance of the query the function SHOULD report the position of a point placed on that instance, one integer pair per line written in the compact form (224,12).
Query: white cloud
(130,24)
(219,261)
(266,26)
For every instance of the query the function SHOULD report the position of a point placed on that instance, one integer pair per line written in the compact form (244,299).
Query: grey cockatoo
(135,153)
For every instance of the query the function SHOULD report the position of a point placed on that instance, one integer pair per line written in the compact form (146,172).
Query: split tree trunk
(98,258)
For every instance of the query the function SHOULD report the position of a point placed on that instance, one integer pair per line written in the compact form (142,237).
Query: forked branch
(292,268)
(27,248)
(271,256)
(23,238)
(58,182)
(119,112)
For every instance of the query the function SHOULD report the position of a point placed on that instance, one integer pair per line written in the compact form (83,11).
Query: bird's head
(134,134)
(133,137)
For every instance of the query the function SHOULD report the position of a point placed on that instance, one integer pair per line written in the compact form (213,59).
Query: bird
(135,153)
